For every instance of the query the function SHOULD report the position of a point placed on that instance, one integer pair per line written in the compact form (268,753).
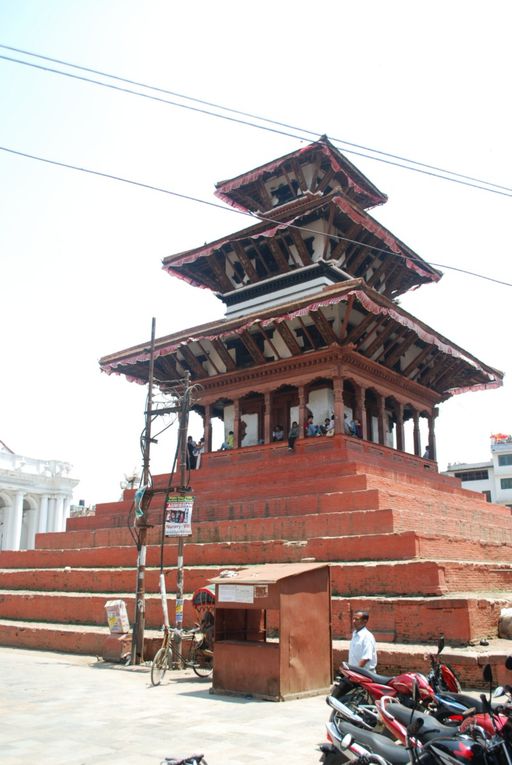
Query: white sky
(80,256)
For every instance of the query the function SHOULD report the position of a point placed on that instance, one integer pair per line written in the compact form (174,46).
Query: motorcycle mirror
(440,644)
(485,703)
(414,727)
(487,673)
(508,662)
(346,741)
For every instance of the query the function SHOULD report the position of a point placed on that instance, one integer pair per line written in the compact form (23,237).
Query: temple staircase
(424,556)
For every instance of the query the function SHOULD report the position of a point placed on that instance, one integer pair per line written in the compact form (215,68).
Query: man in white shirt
(362,650)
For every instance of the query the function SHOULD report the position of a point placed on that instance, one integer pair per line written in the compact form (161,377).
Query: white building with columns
(35,496)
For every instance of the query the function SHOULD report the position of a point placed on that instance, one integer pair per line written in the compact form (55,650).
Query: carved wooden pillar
(207,428)
(267,436)
(381,418)
(432,435)
(339,406)
(302,410)
(361,410)
(416,434)
(236,423)
(400,436)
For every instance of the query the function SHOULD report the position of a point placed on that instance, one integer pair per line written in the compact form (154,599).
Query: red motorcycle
(359,688)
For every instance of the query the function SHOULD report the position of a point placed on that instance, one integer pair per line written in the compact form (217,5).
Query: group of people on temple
(194,452)
(311,429)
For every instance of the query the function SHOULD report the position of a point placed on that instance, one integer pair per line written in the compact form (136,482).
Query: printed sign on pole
(178,515)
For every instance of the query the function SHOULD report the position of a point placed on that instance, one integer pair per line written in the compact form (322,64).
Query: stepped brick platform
(421,554)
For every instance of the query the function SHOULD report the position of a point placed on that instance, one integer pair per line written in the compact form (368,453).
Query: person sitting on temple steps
(292,436)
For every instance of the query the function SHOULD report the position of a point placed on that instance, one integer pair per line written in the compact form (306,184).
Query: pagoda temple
(312,325)
(312,328)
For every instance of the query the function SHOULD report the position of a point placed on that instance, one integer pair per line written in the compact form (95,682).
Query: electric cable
(246,114)
(414,166)
(226,208)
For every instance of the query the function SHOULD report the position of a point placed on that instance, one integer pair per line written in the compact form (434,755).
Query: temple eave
(343,317)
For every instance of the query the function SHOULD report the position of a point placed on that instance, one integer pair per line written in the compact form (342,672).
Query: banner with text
(178,515)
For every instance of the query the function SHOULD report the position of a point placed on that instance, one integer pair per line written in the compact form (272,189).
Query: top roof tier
(318,168)
(313,231)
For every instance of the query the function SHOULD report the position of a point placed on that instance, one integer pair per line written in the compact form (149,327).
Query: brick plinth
(421,554)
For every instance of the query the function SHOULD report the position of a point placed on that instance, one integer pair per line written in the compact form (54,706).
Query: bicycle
(198,657)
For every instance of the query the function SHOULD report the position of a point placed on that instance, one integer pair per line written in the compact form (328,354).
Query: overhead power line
(225,208)
(385,157)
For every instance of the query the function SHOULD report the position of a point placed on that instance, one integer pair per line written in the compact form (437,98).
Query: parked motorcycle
(428,742)
(441,676)
(357,685)
(193,759)
(488,725)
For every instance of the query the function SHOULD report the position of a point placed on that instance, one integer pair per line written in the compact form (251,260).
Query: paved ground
(75,710)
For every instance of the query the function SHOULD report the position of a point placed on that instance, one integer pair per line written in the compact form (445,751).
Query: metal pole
(137,654)
(182,440)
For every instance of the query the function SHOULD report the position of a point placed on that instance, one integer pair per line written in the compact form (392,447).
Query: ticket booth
(273,631)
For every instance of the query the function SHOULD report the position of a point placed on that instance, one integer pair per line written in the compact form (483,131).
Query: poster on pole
(178,515)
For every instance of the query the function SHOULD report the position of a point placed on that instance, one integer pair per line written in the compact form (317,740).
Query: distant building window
(506,483)
(504,459)
(473,475)
(487,495)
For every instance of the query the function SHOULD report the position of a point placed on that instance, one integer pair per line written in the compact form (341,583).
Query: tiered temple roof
(315,272)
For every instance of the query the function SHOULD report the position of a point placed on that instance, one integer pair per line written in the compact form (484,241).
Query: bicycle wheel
(159,666)
(201,662)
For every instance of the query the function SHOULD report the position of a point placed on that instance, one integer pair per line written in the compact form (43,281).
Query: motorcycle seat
(431,727)
(465,701)
(373,676)
(375,742)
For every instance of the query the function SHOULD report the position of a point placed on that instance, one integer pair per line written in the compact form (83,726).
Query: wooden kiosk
(273,631)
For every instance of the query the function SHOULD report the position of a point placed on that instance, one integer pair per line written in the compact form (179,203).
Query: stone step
(375,547)
(462,617)
(425,577)
(467,661)
(422,578)
(107,580)
(329,515)
(259,528)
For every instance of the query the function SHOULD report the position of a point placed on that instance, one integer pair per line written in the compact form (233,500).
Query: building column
(207,428)
(361,410)
(50,525)
(267,433)
(302,410)
(43,514)
(380,418)
(59,513)
(32,529)
(236,423)
(416,434)
(16,521)
(339,405)
(432,435)
(67,510)
(400,436)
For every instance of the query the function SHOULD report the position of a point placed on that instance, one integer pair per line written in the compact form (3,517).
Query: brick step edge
(394,658)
